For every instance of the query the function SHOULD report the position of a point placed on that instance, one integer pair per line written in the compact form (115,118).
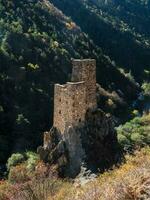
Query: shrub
(14,160)
(146,88)
(22,167)
(134,134)
(18,174)
(64,192)
(137,138)
(32,159)
(39,190)
(123,140)
(4,185)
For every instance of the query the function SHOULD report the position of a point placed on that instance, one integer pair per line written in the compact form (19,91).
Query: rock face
(92,143)
(99,140)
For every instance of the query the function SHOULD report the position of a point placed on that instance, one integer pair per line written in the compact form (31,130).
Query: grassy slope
(131,180)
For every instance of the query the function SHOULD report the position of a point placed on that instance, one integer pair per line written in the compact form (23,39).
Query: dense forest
(120,28)
(37,42)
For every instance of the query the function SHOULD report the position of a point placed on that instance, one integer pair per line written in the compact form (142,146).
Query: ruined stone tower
(72,99)
(82,134)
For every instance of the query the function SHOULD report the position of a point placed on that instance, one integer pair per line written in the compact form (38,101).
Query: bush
(146,88)
(22,166)
(32,159)
(14,160)
(134,134)
(4,185)
(39,190)
(18,174)
(137,138)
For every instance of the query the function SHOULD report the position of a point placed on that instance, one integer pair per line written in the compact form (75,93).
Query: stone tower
(81,132)
(72,99)
(85,70)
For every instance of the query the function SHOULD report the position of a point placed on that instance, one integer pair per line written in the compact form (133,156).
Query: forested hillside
(120,28)
(37,42)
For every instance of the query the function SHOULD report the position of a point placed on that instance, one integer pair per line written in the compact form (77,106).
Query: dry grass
(130,181)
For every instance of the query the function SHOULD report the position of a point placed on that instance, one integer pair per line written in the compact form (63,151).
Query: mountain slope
(120,28)
(37,42)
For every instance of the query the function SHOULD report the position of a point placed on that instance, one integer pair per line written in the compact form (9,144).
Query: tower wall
(60,94)
(69,104)
(76,97)
(85,70)
(72,100)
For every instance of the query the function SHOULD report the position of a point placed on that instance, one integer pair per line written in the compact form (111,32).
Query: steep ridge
(37,42)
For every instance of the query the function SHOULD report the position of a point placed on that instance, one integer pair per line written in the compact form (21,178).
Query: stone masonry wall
(69,105)
(72,100)
(85,70)
(60,94)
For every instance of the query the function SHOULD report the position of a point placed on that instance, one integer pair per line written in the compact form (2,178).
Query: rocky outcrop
(92,143)
(99,140)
